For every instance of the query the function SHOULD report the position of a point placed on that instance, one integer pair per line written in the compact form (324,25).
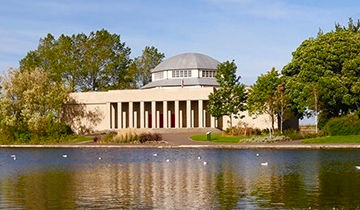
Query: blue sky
(257,34)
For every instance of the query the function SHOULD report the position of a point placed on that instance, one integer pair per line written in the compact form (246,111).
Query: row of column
(118,115)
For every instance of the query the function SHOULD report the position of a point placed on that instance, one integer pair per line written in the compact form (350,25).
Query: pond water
(121,178)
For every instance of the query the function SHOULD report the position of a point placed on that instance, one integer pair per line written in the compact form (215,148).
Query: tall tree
(149,59)
(266,96)
(230,98)
(31,103)
(98,61)
(323,75)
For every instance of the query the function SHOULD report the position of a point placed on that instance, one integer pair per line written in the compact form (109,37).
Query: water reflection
(42,179)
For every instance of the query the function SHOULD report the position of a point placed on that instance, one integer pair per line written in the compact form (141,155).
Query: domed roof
(187,61)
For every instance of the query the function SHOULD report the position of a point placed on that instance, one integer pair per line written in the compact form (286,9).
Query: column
(200,110)
(142,120)
(169,119)
(192,119)
(153,114)
(157,119)
(131,118)
(176,114)
(146,119)
(108,116)
(180,119)
(113,116)
(135,119)
(212,121)
(188,114)
(204,118)
(165,114)
(124,119)
(119,114)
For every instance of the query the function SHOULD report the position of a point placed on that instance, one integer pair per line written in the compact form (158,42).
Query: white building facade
(176,98)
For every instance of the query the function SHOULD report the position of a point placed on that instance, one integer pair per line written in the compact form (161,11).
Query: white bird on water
(154,154)
(64,156)
(204,163)
(167,160)
(357,167)
(257,154)
(13,157)
(99,158)
(264,164)
(199,157)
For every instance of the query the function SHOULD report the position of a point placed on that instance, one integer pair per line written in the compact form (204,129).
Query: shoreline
(200,146)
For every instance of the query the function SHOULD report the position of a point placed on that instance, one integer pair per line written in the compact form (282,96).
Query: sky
(257,34)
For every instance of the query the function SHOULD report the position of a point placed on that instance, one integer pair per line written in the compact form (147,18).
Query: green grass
(334,139)
(71,139)
(219,138)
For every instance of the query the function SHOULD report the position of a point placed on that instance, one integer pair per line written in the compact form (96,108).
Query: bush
(295,135)
(146,137)
(58,130)
(342,126)
(109,137)
(242,131)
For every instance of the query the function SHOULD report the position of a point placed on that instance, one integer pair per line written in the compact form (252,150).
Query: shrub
(242,131)
(341,126)
(295,135)
(109,137)
(146,137)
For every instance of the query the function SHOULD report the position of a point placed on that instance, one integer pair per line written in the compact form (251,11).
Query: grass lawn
(334,139)
(78,139)
(218,137)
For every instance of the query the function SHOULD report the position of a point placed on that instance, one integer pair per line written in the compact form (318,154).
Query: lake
(178,178)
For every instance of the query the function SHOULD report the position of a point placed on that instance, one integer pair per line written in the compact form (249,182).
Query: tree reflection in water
(135,179)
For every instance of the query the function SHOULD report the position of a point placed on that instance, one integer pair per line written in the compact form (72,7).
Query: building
(176,98)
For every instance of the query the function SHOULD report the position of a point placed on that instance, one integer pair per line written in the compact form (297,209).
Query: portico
(160,114)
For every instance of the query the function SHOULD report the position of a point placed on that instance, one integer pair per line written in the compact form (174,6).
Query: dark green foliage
(149,59)
(98,61)
(342,126)
(267,96)
(147,137)
(323,75)
(230,98)
(240,131)
(109,137)
(58,130)
(295,135)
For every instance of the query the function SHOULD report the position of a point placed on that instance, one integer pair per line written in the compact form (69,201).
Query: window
(158,75)
(181,73)
(206,73)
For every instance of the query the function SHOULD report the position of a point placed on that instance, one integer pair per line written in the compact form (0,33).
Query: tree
(267,96)
(149,59)
(230,98)
(98,61)
(31,104)
(323,75)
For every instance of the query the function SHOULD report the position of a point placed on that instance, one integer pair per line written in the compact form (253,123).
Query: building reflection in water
(231,179)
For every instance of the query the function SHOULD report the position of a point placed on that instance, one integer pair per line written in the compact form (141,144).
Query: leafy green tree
(149,59)
(98,61)
(266,96)
(230,98)
(31,104)
(323,75)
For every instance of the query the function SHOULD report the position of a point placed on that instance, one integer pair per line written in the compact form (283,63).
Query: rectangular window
(158,75)
(208,73)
